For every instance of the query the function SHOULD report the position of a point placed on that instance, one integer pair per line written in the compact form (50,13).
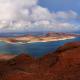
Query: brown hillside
(64,64)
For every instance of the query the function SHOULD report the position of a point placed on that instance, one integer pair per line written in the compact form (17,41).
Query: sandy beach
(33,39)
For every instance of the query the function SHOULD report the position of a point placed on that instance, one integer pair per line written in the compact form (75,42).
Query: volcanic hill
(63,64)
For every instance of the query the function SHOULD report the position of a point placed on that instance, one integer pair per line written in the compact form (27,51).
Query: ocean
(37,49)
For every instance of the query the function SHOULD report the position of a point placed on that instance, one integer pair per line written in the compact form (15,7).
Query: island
(49,37)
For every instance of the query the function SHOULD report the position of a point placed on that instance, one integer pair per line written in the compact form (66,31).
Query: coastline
(52,40)
(10,56)
(6,56)
(44,39)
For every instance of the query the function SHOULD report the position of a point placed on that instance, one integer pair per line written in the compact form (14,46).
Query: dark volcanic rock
(68,46)
(64,64)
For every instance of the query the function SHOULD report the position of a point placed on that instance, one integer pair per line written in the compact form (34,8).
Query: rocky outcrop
(64,64)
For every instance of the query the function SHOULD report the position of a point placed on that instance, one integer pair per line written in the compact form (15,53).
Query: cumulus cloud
(66,15)
(27,15)
(40,13)
(13,9)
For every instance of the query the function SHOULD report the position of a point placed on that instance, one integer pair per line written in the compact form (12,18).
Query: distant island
(49,37)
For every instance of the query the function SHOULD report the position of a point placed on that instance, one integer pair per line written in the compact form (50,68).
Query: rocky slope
(64,64)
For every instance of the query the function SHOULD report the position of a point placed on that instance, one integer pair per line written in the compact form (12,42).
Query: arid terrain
(63,64)
(45,38)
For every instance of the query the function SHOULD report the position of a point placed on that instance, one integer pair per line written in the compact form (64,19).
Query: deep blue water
(37,49)
(32,33)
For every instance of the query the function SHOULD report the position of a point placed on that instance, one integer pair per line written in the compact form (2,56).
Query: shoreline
(6,56)
(49,39)
(52,40)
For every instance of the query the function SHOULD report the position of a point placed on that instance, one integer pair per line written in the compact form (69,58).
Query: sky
(63,5)
(39,15)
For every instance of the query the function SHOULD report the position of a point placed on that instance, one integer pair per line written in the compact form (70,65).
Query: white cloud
(27,15)
(40,13)
(54,26)
(66,15)
(13,9)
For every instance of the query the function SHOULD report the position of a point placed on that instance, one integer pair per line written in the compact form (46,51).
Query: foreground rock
(64,64)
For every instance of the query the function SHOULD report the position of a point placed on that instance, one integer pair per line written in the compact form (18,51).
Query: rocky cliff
(63,64)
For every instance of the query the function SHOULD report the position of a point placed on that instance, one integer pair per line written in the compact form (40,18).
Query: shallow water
(37,49)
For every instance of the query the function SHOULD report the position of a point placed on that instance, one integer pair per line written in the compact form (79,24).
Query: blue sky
(39,15)
(61,5)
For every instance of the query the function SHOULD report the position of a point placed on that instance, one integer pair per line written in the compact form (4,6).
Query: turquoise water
(37,49)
